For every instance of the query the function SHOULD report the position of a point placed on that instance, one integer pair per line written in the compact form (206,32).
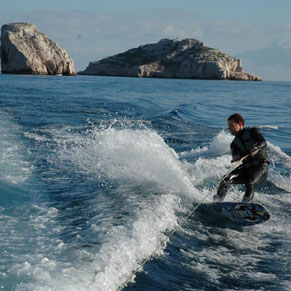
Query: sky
(256,31)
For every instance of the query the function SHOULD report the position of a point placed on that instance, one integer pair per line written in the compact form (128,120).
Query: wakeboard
(244,214)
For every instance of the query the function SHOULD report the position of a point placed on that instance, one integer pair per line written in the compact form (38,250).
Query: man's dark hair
(237,118)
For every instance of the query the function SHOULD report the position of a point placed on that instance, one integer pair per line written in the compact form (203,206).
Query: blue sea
(98,175)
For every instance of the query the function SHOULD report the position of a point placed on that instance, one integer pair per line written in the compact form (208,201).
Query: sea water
(98,175)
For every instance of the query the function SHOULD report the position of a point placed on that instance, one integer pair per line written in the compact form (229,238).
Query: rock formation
(24,50)
(187,58)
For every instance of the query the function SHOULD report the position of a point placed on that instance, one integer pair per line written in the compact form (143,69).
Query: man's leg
(255,177)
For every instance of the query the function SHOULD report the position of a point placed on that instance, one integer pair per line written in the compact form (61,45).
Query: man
(254,171)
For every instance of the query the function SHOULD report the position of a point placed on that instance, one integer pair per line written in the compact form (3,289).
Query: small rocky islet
(178,58)
(25,50)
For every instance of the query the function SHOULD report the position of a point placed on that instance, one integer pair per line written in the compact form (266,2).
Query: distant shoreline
(78,75)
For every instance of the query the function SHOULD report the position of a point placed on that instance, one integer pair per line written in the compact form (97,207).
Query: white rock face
(187,58)
(24,50)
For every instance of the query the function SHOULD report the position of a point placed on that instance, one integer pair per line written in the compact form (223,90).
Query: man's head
(235,123)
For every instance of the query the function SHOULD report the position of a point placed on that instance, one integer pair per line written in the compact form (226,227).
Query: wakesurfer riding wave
(249,145)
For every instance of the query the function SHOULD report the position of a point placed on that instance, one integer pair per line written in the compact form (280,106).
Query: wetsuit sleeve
(258,138)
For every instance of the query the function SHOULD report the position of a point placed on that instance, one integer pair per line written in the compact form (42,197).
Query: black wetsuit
(254,171)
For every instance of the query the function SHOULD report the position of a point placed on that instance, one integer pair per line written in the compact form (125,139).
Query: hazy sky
(257,31)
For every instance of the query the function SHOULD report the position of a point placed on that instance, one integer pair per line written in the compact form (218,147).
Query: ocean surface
(97,172)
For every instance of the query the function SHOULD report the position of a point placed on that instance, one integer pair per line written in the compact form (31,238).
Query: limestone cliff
(187,58)
(24,50)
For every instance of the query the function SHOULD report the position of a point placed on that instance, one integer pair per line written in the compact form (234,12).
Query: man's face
(235,127)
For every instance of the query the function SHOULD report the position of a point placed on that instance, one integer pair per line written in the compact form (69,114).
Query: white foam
(220,145)
(278,156)
(124,249)
(127,154)
(209,162)
(134,246)
(14,168)
(35,136)
(278,160)
(269,127)
(194,152)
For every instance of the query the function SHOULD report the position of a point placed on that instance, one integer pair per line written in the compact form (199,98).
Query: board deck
(244,214)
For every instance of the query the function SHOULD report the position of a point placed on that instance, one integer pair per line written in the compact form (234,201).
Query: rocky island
(24,50)
(178,58)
